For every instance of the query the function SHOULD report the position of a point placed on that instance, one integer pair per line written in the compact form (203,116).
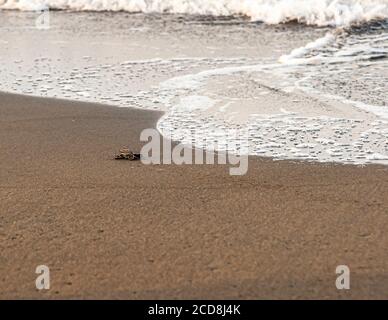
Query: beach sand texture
(111,229)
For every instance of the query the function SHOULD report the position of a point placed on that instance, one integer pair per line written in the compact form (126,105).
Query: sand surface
(111,229)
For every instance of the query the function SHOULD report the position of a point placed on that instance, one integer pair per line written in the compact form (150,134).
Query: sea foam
(311,12)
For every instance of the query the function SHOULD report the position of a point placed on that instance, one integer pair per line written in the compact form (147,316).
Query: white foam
(377,156)
(302,51)
(312,12)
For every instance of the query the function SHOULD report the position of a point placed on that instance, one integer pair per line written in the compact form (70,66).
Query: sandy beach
(111,229)
(299,86)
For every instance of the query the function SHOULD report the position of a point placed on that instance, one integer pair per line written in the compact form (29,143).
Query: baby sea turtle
(126,154)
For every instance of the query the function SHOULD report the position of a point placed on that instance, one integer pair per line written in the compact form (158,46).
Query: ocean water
(298,79)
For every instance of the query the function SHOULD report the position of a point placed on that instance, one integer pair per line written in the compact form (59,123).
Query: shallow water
(290,91)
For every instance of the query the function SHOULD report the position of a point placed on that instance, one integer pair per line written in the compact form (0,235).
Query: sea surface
(293,79)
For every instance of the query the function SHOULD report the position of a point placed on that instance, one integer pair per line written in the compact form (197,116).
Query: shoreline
(158,116)
(111,229)
(215,75)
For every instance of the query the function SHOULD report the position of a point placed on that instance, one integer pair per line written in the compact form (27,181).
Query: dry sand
(111,229)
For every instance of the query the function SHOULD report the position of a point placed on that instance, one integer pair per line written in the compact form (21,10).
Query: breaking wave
(311,12)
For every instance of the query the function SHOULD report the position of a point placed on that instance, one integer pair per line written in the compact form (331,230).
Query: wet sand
(111,229)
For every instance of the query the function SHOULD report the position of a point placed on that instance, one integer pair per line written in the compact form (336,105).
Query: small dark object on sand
(126,154)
